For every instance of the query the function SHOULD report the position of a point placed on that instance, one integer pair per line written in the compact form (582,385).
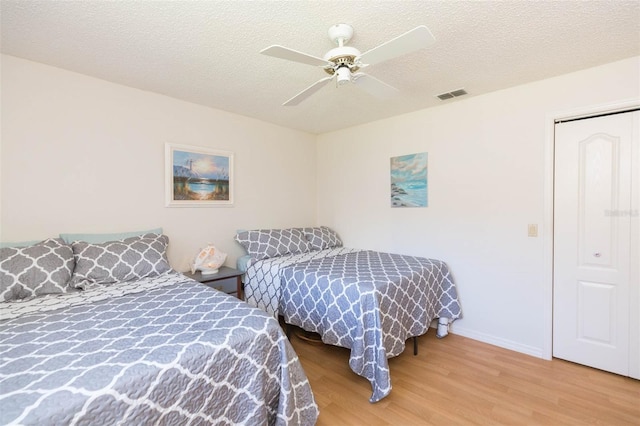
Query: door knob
(597,254)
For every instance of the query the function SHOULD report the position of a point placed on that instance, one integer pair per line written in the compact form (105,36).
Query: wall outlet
(533,230)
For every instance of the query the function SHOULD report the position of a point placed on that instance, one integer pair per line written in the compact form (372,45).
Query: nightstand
(223,273)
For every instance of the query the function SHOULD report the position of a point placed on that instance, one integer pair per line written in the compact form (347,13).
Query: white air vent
(452,94)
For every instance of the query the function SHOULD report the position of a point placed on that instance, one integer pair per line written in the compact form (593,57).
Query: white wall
(486,178)
(81,154)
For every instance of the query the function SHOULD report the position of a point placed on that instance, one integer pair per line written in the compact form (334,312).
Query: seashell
(209,260)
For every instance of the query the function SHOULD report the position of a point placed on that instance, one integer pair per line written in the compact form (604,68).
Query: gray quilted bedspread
(369,302)
(263,286)
(177,353)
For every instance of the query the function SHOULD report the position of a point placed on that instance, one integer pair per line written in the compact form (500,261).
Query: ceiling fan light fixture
(343,75)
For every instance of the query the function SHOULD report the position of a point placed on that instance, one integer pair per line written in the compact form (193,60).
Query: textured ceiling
(206,52)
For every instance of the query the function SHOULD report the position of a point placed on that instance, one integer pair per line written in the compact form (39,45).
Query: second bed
(369,302)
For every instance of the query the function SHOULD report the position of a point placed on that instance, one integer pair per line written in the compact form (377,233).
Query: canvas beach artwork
(198,176)
(409,180)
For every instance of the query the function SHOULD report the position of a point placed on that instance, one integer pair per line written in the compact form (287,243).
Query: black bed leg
(415,346)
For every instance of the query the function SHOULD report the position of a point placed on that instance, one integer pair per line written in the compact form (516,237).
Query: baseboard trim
(497,341)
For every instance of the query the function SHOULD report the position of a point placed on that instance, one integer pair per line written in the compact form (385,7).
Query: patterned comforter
(165,350)
(369,302)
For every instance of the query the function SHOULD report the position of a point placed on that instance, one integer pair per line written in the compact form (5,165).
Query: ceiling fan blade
(293,55)
(308,91)
(410,41)
(373,86)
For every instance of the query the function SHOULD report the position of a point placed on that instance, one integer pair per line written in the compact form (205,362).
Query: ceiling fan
(343,62)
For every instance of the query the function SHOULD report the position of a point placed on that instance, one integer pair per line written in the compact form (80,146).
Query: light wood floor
(457,381)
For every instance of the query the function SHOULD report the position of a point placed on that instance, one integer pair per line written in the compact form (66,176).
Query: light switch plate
(533,230)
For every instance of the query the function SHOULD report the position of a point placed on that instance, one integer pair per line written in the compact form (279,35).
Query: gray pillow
(322,238)
(105,238)
(42,268)
(119,261)
(266,243)
(4,244)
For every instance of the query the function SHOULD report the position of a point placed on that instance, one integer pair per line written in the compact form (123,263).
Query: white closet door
(595,253)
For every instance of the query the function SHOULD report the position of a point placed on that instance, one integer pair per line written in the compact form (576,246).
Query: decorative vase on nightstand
(208,261)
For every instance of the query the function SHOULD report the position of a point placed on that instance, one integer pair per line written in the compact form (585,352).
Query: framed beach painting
(409,180)
(198,177)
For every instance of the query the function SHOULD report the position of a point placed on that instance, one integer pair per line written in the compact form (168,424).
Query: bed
(158,348)
(367,301)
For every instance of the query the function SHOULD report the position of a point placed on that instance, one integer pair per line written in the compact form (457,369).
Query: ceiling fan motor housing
(340,57)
